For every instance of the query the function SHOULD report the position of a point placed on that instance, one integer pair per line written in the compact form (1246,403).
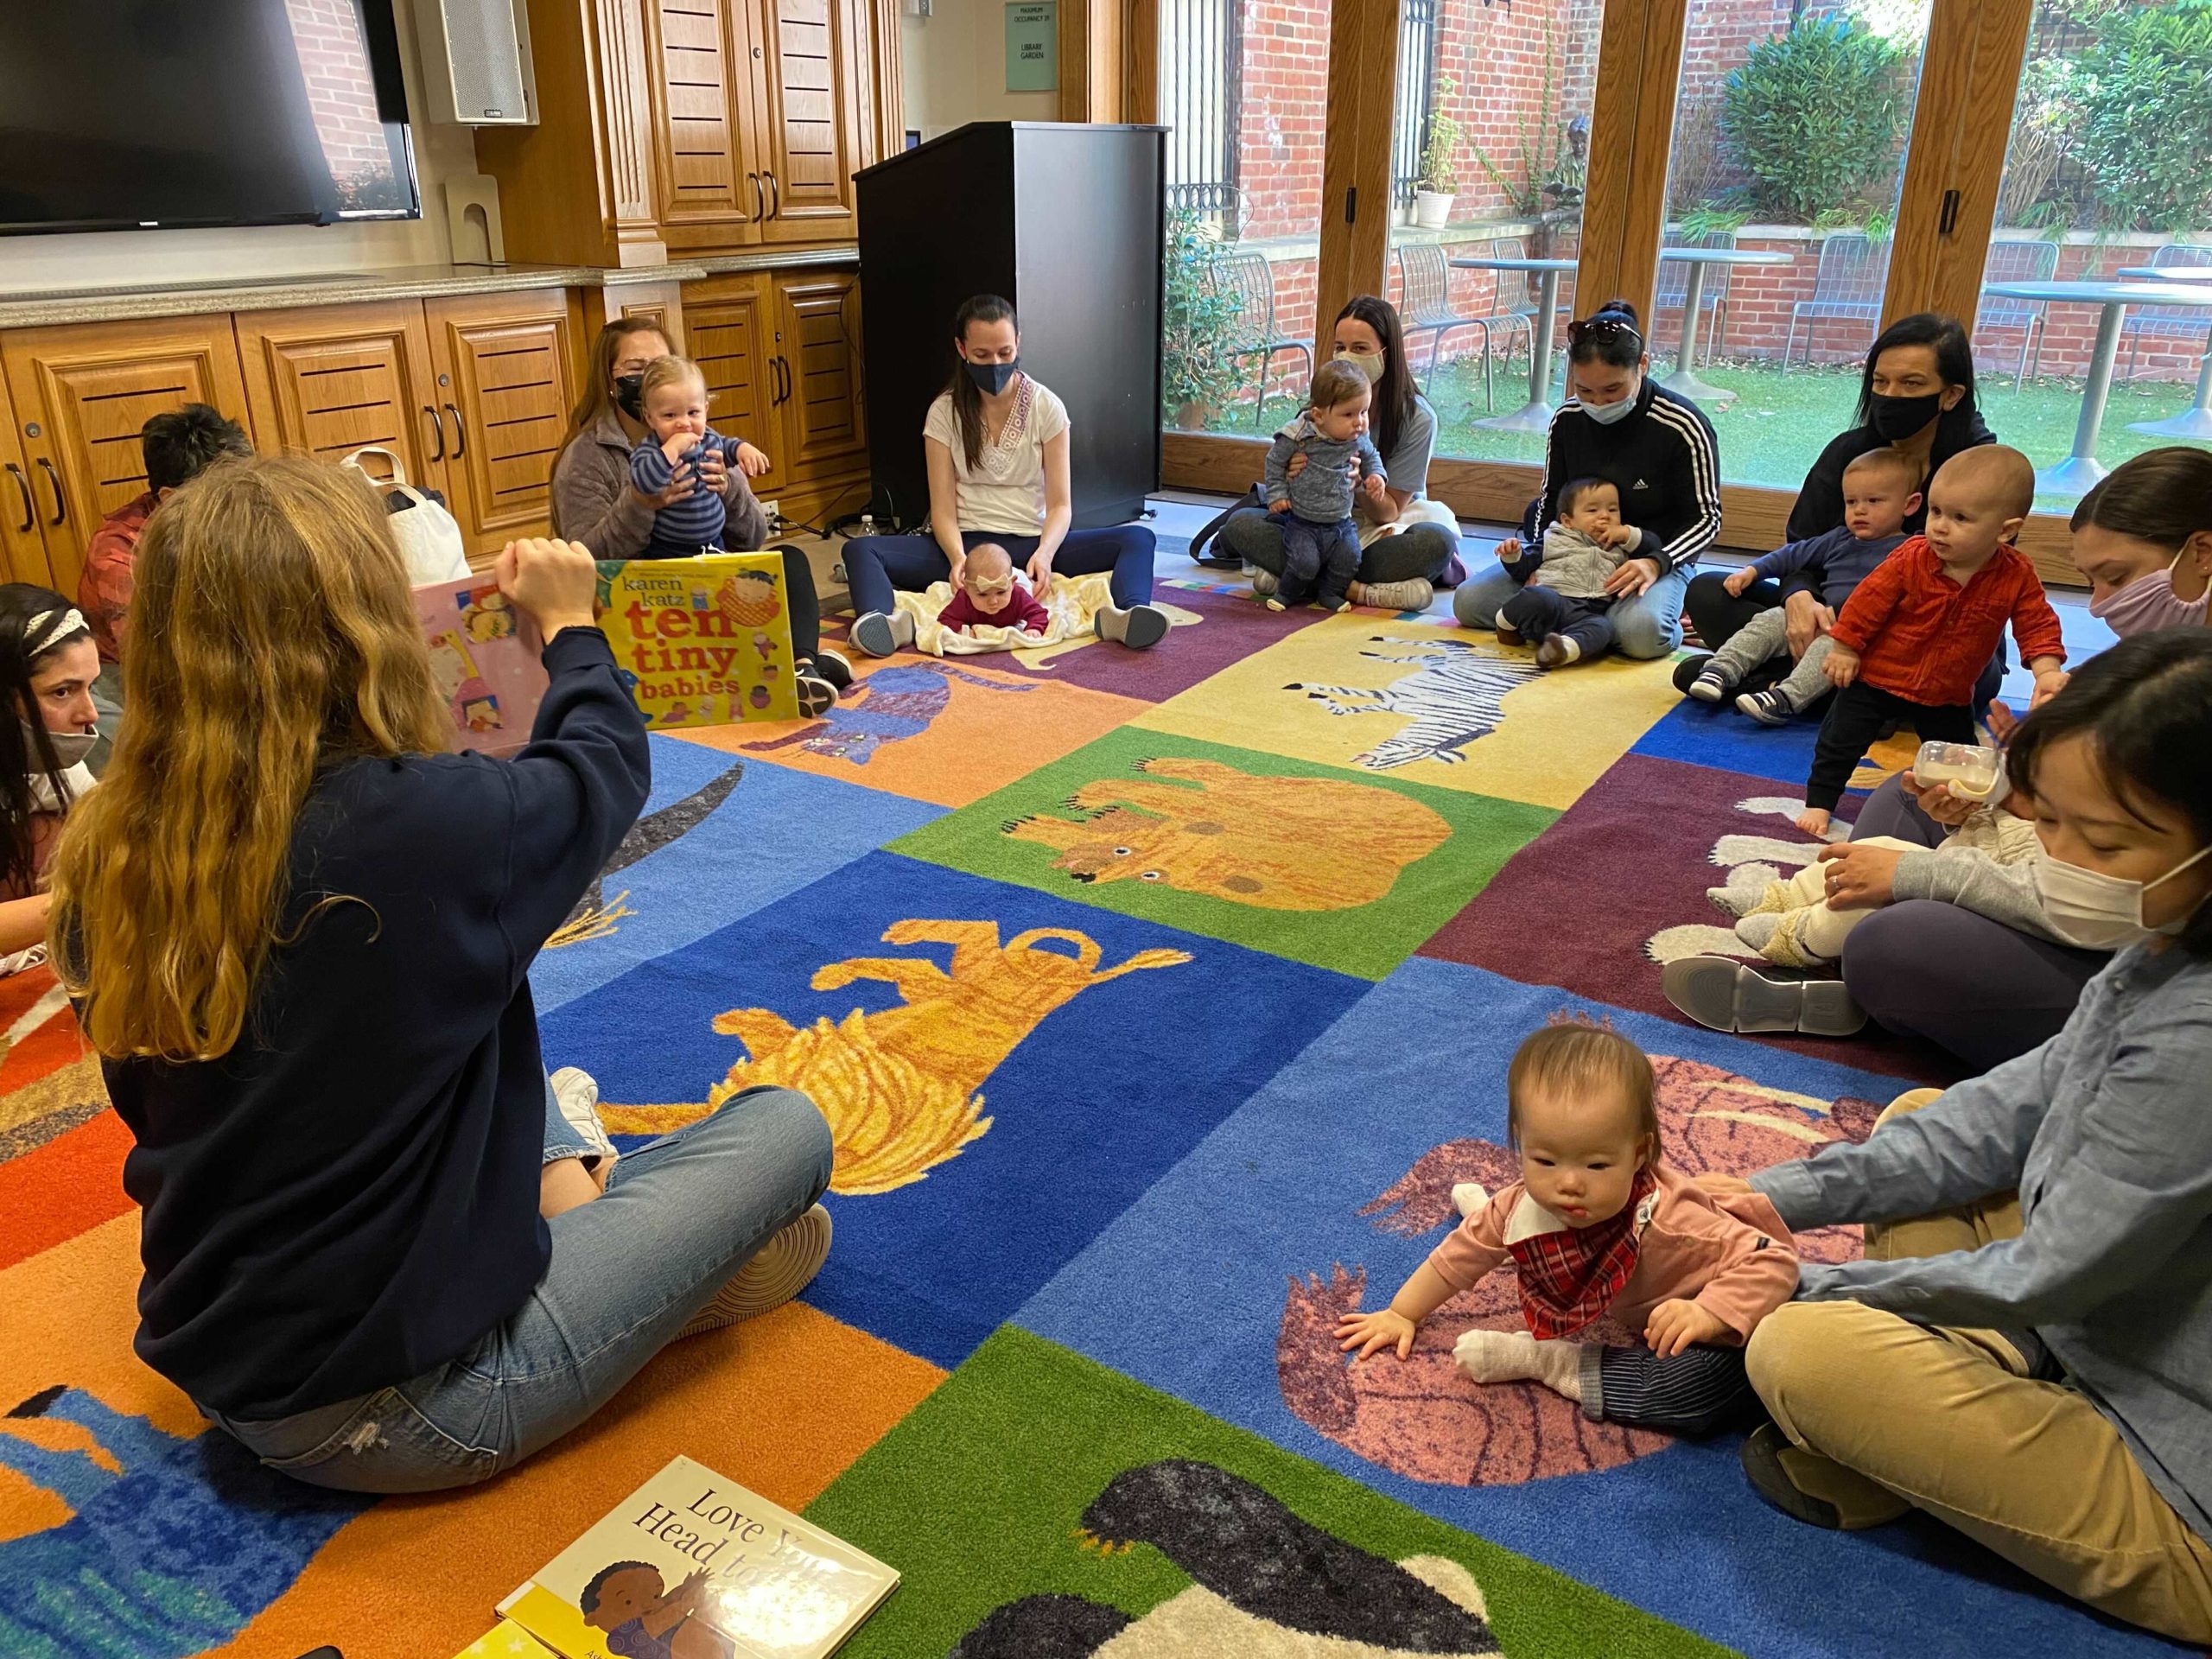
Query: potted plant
(1200,324)
(1439,162)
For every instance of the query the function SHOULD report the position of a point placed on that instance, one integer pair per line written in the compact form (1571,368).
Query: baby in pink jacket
(1596,1225)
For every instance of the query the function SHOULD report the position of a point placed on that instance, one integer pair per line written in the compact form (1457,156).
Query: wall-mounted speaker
(476,62)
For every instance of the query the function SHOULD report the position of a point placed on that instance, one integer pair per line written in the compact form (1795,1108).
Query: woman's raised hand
(1937,801)
(556,583)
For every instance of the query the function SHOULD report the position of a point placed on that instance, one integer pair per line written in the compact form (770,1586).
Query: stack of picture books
(697,642)
(691,1565)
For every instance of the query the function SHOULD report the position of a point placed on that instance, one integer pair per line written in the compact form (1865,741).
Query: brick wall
(340,94)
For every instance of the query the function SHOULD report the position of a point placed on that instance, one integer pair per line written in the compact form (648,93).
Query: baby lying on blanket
(990,610)
(1985,865)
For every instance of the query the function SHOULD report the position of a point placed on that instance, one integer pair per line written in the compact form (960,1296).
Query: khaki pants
(1887,1414)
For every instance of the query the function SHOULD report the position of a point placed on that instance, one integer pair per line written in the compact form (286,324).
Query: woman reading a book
(596,503)
(47,664)
(381,1249)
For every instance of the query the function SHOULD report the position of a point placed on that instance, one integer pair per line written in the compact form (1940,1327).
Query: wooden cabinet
(80,394)
(726,320)
(507,379)
(818,353)
(20,539)
(813,111)
(780,352)
(694,126)
(472,394)
(327,380)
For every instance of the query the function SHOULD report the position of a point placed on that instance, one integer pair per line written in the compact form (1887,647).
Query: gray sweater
(2105,1133)
(1322,493)
(1576,566)
(1971,880)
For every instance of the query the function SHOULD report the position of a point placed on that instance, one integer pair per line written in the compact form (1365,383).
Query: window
(1200,43)
(1416,97)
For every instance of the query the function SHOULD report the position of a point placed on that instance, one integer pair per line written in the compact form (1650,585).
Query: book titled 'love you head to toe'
(691,1565)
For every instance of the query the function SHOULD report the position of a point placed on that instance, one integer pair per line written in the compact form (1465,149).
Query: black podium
(1062,219)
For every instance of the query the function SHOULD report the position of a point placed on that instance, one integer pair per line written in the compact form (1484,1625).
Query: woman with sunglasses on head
(1656,448)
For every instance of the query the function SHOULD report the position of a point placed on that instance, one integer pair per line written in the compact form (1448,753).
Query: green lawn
(1779,421)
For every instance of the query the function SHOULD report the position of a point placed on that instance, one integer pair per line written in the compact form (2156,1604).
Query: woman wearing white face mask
(47,664)
(1402,562)
(2144,539)
(1656,448)
(2023,1354)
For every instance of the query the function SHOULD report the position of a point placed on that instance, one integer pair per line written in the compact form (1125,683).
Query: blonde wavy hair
(272,635)
(668,371)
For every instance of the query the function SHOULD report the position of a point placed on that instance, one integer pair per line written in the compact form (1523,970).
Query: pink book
(485,656)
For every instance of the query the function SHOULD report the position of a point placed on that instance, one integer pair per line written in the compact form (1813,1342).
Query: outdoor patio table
(2196,421)
(1683,382)
(1536,415)
(2079,471)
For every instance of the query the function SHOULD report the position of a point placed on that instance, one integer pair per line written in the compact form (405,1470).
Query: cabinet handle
(23,484)
(437,431)
(784,374)
(759,201)
(55,479)
(775,196)
(459,440)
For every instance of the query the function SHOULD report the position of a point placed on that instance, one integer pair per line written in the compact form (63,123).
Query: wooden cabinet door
(507,379)
(327,380)
(704,65)
(727,320)
(20,540)
(81,392)
(816,114)
(817,371)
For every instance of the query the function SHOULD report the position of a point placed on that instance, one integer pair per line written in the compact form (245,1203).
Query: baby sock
(1467,1197)
(1516,1357)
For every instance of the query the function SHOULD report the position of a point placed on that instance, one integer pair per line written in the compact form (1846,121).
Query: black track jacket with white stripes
(1663,459)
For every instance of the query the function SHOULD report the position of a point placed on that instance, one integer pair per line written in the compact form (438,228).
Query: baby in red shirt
(1915,635)
(988,593)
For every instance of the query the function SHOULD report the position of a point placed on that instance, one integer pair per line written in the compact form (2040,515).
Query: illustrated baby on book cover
(692,1565)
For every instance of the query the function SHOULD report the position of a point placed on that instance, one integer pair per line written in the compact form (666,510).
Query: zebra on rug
(1455,698)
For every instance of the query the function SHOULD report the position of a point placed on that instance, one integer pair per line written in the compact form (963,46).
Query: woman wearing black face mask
(1918,396)
(997,446)
(47,664)
(594,502)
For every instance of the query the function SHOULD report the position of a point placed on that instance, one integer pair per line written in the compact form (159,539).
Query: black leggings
(1855,718)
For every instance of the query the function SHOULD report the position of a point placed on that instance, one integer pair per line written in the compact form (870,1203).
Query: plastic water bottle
(867,523)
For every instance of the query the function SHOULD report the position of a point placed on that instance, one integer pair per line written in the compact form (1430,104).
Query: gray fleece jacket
(1322,491)
(1575,566)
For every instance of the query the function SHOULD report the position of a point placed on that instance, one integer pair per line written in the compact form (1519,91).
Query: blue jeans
(1319,561)
(877,566)
(1651,625)
(628,1270)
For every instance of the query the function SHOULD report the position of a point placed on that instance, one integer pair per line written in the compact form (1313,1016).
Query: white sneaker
(785,1265)
(1414,594)
(1264,582)
(577,1092)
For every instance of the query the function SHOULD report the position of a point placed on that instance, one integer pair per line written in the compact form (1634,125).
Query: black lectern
(1062,219)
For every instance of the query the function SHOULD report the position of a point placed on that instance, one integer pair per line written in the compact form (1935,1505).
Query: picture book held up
(701,641)
(691,1565)
(485,657)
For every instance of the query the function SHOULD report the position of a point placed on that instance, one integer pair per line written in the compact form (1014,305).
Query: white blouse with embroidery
(1005,493)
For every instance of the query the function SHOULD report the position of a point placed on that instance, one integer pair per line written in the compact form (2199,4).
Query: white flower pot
(1432,208)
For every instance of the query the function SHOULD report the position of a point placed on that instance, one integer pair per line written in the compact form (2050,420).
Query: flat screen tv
(160,114)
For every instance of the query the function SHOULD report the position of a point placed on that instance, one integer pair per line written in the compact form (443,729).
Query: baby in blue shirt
(1321,541)
(672,404)
(1880,491)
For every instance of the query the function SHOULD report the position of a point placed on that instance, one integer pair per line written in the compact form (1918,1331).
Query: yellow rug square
(1435,704)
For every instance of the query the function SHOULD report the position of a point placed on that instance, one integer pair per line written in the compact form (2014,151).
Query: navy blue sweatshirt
(349,1197)
(1663,459)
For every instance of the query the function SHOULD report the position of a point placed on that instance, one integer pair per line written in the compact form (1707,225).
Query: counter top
(38,310)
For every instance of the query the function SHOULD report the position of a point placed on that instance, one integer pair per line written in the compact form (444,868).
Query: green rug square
(1065,1504)
(1339,870)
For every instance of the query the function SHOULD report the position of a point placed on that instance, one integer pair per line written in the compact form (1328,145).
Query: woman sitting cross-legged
(2023,1354)
(47,665)
(1405,558)
(997,445)
(381,1249)
(1656,450)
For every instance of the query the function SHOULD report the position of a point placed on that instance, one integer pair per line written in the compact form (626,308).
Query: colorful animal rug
(1155,1000)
